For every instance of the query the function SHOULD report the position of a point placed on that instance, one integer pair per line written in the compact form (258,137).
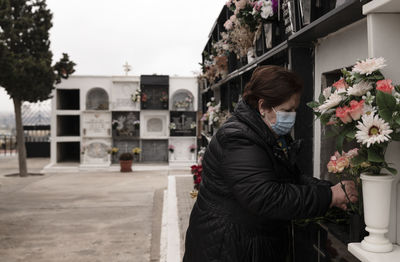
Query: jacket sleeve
(309,180)
(251,177)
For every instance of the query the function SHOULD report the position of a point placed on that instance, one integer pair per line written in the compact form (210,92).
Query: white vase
(193,157)
(251,55)
(376,196)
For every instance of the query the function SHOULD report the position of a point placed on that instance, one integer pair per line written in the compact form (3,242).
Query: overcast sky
(157,36)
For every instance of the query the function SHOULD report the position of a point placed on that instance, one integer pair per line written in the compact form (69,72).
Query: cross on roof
(127,68)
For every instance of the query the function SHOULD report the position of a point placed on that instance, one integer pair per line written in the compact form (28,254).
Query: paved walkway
(106,216)
(184,184)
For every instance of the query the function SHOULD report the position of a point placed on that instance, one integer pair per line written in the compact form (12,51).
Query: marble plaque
(96,124)
(154,150)
(154,124)
(122,96)
(125,124)
(182,150)
(183,124)
(96,151)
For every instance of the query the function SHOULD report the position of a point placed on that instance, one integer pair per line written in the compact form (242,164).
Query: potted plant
(364,106)
(136,153)
(125,161)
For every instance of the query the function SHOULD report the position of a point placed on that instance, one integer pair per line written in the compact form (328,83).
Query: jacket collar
(251,117)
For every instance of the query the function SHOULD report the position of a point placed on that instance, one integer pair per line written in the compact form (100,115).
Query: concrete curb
(173,239)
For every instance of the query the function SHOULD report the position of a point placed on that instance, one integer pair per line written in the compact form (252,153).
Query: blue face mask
(284,122)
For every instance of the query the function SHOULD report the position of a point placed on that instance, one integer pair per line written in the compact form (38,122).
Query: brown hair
(274,84)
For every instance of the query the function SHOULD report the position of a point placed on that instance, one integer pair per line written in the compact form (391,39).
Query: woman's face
(269,115)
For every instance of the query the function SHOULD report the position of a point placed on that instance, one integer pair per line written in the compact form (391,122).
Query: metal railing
(8,145)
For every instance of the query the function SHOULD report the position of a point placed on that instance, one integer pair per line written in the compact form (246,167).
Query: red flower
(197,180)
(343,114)
(340,84)
(385,86)
(356,109)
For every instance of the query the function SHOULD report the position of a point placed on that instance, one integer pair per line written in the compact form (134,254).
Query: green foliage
(386,104)
(26,70)
(374,155)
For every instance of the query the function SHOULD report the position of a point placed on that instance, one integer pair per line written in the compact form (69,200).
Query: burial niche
(97,99)
(182,100)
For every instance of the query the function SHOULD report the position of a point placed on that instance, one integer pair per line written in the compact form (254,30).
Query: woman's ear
(260,106)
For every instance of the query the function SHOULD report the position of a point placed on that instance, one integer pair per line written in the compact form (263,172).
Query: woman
(251,187)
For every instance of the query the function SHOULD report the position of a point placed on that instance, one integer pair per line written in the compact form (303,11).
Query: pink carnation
(343,114)
(385,86)
(340,84)
(356,109)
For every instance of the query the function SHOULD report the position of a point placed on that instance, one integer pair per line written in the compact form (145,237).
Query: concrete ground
(103,216)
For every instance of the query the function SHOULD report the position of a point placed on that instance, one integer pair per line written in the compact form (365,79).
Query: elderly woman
(251,186)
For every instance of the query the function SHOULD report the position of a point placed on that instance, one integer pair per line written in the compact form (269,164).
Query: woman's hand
(339,198)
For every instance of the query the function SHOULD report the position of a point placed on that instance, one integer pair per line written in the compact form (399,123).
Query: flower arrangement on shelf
(193,125)
(245,25)
(214,116)
(185,103)
(171,148)
(136,123)
(136,96)
(365,106)
(196,170)
(192,148)
(164,97)
(136,151)
(113,150)
(144,97)
(172,126)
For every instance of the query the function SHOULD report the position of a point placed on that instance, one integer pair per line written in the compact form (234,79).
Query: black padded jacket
(250,192)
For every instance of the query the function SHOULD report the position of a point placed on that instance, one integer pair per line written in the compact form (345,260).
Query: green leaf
(386,114)
(391,170)
(351,134)
(397,119)
(339,143)
(321,98)
(313,104)
(357,160)
(385,101)
(395,136)
(374,156)
(325,118)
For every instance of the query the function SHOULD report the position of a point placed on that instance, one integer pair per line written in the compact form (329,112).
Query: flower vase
(251,55)
(376,197)
(171,156)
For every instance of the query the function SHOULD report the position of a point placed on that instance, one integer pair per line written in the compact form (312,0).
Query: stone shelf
(365,256)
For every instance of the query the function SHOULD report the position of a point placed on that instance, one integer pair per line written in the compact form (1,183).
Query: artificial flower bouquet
(164,97)
(365,107)
(136,150)
(136,96)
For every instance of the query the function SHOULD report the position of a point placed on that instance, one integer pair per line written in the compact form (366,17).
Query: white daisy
(369,65)
(368,110)
(372,129)
(332,101)
(359,89)
(327,92)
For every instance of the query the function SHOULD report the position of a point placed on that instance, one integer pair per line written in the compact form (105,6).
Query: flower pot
(376,197)
(126,165)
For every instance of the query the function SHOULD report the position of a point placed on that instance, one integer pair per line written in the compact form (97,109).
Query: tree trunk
(23,170)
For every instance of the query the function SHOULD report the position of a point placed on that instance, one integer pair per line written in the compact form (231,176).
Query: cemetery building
(97,118)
